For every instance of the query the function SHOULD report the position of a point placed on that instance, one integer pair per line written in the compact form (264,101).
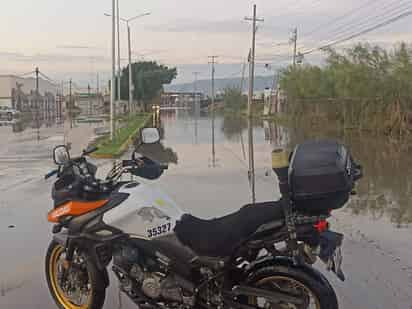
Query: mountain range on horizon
(260,84)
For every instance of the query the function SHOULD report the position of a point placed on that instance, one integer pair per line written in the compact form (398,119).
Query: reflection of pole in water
(243,145)
(196,105)
(213,110)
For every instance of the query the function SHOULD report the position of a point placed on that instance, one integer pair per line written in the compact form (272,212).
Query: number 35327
(159,230)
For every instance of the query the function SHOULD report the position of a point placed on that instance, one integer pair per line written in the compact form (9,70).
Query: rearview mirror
(61,155)
(149,135)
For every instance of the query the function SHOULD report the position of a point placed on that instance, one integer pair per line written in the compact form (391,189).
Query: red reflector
(322,226)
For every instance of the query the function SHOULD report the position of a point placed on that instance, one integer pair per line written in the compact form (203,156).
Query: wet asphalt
(377,254)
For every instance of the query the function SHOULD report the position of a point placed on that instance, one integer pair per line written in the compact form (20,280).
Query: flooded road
(376,224)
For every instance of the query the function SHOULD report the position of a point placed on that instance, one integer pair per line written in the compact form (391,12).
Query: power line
(28,73)
(348,13)
(343,30)
(370,29)
(50,80)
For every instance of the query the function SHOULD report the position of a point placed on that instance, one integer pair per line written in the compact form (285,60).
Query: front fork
(70,245)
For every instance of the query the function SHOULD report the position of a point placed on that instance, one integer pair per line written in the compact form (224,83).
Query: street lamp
(127,21)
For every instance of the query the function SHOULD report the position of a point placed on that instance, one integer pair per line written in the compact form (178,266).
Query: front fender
(61,238)
(286,262)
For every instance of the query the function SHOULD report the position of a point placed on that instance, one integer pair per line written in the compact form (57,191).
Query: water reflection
(233,127)
(386,189)
(384,192)
(159,153)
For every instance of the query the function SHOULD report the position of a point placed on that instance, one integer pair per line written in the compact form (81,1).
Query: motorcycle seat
(219,237)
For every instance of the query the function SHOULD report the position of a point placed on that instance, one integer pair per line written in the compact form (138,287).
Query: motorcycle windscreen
(147,213)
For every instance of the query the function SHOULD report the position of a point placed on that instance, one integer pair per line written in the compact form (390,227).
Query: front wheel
(77,286)
(315,293)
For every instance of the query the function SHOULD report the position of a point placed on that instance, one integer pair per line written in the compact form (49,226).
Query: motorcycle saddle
(219,237)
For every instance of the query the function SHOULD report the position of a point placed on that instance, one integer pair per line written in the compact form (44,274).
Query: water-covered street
(377,223)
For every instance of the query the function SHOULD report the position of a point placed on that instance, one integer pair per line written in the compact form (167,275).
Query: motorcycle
(258,257)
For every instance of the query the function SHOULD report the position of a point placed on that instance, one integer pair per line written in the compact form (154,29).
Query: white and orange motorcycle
(258,257)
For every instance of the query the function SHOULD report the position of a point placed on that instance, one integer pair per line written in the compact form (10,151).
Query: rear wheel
(316,294)
(80,287)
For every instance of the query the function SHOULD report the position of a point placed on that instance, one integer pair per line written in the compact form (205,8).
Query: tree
(233,99)
(148,80)
(364,86)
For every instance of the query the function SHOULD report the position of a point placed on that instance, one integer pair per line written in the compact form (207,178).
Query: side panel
(147,213)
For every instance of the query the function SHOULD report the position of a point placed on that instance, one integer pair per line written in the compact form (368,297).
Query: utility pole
(195,87)
(118,53)
(250,100)
(37,104)
(196,106)
(62,99)
(70,104)
(241,96)
(213,62)
(90,102)
(127,21)
(112,86)
(243,78)
(294,41)
(130,69)
(97,83)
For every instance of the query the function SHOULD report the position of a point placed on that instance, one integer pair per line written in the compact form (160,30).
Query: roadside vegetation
(362,88)
(125,135)
(234,102)
(148,80)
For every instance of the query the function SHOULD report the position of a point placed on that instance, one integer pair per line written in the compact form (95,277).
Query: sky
(73,38)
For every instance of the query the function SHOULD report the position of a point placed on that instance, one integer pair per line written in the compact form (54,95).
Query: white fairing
(147,213)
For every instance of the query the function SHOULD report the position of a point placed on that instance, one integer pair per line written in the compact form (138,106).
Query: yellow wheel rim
(60,295)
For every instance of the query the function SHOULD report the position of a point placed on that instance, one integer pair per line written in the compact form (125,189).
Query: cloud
(76,47)
(50,57)
(202,26)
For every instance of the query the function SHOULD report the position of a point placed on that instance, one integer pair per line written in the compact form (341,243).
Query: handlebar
(135,163)
(90,150)
(50,174)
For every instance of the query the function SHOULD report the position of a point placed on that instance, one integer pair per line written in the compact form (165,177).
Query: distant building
(181,99)
(19,94)
(120,106)
(89,105)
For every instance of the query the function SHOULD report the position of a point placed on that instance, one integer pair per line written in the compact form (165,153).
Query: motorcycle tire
(322,292)
(97,292)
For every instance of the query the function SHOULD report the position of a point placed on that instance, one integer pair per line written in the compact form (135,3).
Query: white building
(10,82)
(19,94)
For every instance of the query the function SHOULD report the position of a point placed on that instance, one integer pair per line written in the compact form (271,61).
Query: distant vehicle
(8,114)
